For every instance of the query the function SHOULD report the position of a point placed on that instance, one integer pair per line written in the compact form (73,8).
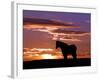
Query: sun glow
(48,56)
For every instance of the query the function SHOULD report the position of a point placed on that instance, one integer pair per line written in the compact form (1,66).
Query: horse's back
(72,47)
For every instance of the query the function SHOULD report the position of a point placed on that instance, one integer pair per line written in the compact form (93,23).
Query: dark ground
(54,63)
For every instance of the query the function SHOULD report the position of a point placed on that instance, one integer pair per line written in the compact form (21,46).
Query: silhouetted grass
(54,63)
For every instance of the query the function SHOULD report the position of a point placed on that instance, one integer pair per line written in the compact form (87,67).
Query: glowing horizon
(40,54)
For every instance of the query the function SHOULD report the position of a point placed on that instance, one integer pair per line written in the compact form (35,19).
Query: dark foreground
(54,63)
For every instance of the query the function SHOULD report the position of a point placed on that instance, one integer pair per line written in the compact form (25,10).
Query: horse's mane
(62,43)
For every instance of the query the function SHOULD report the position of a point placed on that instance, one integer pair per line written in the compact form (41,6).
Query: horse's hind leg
(74,55)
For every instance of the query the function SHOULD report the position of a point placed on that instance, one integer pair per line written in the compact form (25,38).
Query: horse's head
(57,44)
(60,44)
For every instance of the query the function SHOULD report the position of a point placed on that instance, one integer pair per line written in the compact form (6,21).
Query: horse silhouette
(67,49)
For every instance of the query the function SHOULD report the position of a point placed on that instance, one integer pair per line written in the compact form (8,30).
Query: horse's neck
(64,45)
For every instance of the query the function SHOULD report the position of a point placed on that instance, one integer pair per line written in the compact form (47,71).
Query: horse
(67,49)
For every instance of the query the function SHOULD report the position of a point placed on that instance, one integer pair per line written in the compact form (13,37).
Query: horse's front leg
(65,56)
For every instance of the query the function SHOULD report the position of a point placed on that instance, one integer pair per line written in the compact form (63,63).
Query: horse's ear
(57,44)
(57,41)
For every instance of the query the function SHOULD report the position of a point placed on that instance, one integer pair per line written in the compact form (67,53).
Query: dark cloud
(47,22)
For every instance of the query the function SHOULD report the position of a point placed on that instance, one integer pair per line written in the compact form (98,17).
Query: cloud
(41,53)
(52,27)
(61,33)
(56,29)
(32,26)
(65,35)
(47,29)
(41,50)
(47,22)
(25,49)
(31,23)
(63,39)
(70,33)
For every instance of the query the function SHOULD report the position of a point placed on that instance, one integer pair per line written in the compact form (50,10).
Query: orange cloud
(40,53)
(73,33)
(62,34)
(32,26)
(69,39)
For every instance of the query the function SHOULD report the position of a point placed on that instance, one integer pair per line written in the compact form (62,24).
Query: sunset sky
(41,29)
